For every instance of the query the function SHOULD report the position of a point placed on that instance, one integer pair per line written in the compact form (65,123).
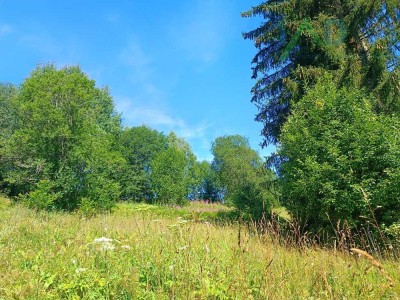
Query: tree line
(328,93)
(63,146)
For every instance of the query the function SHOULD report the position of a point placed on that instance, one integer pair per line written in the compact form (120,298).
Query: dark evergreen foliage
(355,40)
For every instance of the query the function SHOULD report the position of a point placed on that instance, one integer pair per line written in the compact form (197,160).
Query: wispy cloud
(42,43)
(140,63)
(192,132)
(112,18)
(139,68)
(136,113)
(202,33)
(5,29)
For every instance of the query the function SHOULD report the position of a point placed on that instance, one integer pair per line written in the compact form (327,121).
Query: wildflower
(103,240)
(107,247)
(106,243)
(80,270)
(126,247)
(207,249)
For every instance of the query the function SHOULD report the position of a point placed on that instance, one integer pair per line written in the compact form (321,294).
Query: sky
(179,66)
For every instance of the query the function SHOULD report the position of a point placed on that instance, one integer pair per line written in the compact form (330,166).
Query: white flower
(207,249)
(126,247)
(107,247)
(73,261)
(106,243)
(80,270)
(103,240)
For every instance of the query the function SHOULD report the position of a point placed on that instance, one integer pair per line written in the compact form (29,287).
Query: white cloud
(139,68)
(136,113)
(191,132)
(140,63)
(5,29)
(156,118)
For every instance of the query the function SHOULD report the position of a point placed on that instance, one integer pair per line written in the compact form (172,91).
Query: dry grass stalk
(375,263)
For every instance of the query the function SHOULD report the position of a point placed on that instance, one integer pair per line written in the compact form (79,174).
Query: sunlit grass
(152,252)
(4,202)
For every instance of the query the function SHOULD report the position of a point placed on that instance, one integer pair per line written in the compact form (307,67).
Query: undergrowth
(151,252)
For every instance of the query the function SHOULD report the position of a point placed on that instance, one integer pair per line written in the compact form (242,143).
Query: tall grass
(149,252)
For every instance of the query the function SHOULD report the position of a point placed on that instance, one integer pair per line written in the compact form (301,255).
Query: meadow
(151,252)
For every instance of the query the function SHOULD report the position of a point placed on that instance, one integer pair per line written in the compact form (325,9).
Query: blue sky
(173,65)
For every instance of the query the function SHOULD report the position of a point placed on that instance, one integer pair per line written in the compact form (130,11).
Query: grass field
(149,252)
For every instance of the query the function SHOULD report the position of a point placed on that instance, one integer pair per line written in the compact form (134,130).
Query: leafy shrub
(42,197)
(250,201)
(87,207)
(102,194)
(394,232)
(333,148)
(254,199)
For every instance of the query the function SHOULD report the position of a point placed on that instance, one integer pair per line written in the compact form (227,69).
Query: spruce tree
(355,40)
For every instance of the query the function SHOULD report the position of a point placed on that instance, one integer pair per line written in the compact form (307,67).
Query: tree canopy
(62,146)
(328,94)
(139,146)
(63,134)
(242,177)
(357,41)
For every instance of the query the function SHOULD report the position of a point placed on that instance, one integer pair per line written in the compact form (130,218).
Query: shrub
(333,148)
(252,201)
(43,197)
(102,193)
(87,207)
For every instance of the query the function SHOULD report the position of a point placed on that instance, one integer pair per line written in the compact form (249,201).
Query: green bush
(43,197)
(103,193)
(87,207)
(252,201)
(334,148)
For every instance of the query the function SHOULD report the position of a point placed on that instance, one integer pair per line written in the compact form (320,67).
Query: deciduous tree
(64,137)
(334,149)
(139,146)
(240,172)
